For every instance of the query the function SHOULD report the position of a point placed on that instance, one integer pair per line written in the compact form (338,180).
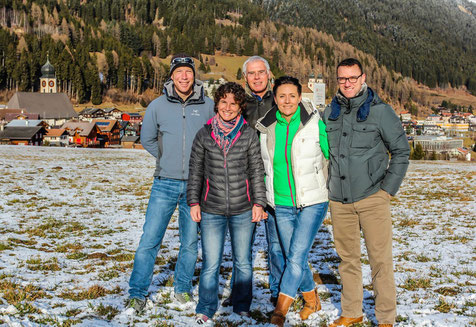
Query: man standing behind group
(258,102)
(169,127)
(368,161)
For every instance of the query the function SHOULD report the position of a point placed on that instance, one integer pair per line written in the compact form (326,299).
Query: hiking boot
(137,304)
(311,304)
(183,298)
(279,315)
(228,302)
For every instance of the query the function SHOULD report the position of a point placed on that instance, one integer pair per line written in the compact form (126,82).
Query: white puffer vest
(307,160)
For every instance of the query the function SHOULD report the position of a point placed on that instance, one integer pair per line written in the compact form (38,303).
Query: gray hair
(254,58)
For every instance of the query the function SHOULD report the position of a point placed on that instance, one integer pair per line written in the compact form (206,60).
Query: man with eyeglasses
(169,127)
(368,161)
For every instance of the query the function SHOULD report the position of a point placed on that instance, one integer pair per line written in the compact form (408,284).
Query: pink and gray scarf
(225,131)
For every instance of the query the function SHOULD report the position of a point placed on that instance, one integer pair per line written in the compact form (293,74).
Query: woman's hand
(257,214)
(195,213)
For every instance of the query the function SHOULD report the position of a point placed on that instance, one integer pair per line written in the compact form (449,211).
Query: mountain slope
(432,41)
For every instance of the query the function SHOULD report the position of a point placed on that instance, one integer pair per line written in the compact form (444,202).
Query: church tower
(48,78)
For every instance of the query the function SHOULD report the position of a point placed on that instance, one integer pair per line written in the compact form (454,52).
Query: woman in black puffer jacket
(226,190)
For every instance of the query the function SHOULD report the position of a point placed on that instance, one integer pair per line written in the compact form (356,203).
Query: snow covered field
(70,221)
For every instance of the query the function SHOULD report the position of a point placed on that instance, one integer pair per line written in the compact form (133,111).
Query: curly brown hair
(231,87)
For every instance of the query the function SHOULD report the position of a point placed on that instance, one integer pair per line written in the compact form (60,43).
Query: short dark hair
(231,87)
(287,80)
(350,62)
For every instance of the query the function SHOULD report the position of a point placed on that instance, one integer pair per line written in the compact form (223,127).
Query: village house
(89,114)
(132,117)
(405,116)
(26,123)
(109,134)
(22,135)
(130,142)
(83,134)
(129,129)
(112,113)
(56,137)
(439,144)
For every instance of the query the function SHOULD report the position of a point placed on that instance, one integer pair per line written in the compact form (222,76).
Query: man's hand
(195,213)
(257,214)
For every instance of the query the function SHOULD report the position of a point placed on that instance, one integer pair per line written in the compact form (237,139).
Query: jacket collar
(270,117)
(362,101)
(197,96)
(252,97)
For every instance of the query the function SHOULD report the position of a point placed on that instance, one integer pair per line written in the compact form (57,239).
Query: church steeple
(48,77)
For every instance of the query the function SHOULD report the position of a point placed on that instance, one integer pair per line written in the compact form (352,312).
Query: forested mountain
(99,46)
(432,41)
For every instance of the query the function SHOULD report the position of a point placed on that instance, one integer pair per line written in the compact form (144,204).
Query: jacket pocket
(206,191)
(377,167)
(333,134)
(248,190)
(364,136)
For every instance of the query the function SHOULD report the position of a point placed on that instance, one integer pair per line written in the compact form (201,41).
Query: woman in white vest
(294,149)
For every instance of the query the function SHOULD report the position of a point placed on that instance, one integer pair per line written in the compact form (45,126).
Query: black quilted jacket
(231,187)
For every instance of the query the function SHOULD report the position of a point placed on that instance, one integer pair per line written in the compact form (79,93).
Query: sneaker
(201,319)
(137,304)
(183,297)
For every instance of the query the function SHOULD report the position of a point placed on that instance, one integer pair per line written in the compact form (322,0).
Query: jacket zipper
(296,181)
(287,165)
(206,192)
(183,140)
(248,190)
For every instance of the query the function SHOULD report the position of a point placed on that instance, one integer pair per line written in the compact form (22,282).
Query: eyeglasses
(259,73)
(352,79)
(182,60)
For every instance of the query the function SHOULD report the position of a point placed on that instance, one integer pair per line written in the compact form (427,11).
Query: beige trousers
(372,215)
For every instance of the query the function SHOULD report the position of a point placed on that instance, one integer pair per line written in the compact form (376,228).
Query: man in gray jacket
(368,161)
(170,124)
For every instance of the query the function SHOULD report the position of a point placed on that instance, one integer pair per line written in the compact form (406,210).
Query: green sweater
(284,188)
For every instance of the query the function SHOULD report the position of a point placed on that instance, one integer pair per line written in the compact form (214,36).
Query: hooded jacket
(169,127)
(363,134)
(228,186)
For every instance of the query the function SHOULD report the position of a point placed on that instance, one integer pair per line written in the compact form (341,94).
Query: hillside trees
(131,35)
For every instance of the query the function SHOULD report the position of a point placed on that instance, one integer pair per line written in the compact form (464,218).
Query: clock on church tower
(48,78)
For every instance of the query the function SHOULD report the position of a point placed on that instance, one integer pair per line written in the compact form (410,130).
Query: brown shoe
(279,315)
(345,321)
(311,304)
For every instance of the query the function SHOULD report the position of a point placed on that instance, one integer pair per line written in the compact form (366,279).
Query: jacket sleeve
(396,142)
(256,170)
(196,170)
(323,141)
(149,135)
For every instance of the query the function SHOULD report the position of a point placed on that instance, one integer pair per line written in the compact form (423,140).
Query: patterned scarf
(226,131)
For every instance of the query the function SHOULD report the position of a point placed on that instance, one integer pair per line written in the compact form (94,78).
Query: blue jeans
(213,230)
(165,195)
(275,253)
(297,229)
